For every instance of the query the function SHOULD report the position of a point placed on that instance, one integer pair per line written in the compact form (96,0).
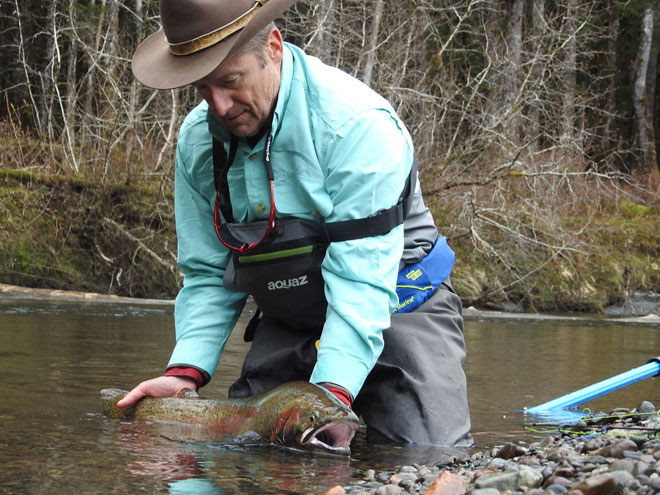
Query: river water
(56,356)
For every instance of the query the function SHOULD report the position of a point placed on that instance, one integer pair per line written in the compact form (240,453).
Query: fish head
(314,419)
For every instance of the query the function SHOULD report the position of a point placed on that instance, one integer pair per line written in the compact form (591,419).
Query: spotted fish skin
(300,415)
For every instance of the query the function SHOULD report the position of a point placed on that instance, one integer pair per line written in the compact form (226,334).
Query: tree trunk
(643,124)
(48,73)
(372,43)
(568,138)
(91,73)
(611,70)
(538,28)
(511,86)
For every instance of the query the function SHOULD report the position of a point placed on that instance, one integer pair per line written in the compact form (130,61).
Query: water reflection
(56,357)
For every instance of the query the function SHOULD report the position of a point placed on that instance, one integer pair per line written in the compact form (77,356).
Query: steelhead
(299,415)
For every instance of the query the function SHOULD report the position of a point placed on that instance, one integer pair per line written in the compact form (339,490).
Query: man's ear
(275,48)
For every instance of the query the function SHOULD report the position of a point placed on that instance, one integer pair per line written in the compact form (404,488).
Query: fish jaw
(332,436)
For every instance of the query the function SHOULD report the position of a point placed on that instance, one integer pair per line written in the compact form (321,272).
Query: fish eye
(314,416)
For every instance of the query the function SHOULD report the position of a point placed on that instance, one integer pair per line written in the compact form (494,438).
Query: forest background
(534,122)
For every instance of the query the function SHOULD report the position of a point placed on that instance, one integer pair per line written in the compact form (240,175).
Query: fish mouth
(332,436)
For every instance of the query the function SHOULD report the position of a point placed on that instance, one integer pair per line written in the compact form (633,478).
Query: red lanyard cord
(217,220)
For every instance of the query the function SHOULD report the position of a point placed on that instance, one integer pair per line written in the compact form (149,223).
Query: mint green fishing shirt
(339,152)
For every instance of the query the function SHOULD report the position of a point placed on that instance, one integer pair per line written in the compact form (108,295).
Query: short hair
(258,43)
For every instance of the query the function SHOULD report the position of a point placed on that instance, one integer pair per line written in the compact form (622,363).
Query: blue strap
(417,282)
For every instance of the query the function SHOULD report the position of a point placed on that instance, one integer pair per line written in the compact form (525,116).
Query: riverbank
(86,234)
(603,454)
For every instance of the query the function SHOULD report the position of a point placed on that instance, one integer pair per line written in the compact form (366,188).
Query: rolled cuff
(200,377)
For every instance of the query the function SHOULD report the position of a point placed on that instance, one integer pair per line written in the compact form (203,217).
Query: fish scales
(296,414)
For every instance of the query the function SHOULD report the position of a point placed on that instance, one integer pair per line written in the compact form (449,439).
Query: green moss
(617,253)
(631,209)
(54,235)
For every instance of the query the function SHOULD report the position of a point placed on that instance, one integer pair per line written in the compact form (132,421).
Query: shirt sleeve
(205,312)
(367,166)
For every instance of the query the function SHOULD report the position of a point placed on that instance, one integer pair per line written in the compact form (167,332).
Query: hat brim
(154,66)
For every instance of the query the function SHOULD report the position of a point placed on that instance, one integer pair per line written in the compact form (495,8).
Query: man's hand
(163,386)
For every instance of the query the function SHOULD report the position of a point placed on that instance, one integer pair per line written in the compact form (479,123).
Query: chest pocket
(284,275)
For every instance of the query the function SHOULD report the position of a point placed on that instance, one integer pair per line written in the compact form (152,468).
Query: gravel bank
(617,453)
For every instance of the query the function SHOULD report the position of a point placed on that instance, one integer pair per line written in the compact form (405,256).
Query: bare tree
(643,116)
(372,43)
(569,69)
(512,71)
(611,68)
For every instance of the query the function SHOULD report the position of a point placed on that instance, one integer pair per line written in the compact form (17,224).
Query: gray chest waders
(282,269)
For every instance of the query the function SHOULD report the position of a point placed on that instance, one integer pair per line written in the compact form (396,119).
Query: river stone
(383,477)
(389,490)
(602,484)
(510,450)
(556,489)
(641,468)
(594,444)
(560,453)
(564,471)
(633,455)
(582,460)
(497,463)
(500,481)
(619,448)
(399,478)
(645,407)
(447,483)
(655,483)
(370,475)
(336,490)
(427,474)
(484,491)
(557,480)
(622,478)
(622,465)
(511,480)
(529,478)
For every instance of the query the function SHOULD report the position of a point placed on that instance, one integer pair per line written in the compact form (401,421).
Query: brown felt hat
(197,36)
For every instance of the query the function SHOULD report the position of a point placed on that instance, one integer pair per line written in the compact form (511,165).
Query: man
(292,183)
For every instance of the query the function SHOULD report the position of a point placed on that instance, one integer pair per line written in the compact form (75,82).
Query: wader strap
(381,222)
(251,327)
(221,166)
(378,224)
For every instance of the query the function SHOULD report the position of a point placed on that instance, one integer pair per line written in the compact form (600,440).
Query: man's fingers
(132,397)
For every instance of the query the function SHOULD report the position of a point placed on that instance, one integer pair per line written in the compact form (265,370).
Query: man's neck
(253,140)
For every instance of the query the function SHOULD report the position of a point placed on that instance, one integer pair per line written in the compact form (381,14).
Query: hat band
(206,40)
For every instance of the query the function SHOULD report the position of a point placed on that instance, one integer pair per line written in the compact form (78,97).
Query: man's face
(242,91)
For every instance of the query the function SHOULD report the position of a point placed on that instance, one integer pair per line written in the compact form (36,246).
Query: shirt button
(316,214)
(252,156)
(261,207)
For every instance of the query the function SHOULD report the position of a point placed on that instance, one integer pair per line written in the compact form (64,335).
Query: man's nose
(219,101)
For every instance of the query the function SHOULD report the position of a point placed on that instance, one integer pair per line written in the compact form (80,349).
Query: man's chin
(243,130)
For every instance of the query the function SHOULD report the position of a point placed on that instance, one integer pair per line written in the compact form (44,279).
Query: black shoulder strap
(221,166)
(381,222)
(378,224)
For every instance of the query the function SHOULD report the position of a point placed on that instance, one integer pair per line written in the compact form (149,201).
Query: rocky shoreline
(617,453)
